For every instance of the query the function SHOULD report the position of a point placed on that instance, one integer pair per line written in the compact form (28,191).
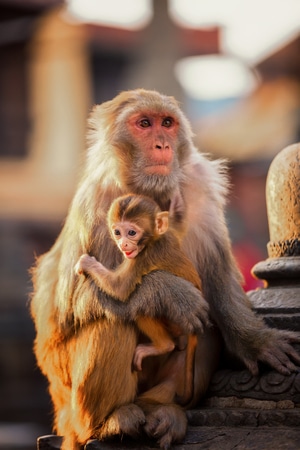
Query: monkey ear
(162,222)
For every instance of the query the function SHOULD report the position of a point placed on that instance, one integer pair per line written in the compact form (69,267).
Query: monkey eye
(117,232)
(145,123)
(132,232)
(167,122)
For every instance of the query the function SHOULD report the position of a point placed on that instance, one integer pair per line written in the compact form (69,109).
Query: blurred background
(234,65)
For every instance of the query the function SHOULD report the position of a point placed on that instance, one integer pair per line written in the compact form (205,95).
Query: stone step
(216,429)
(203,438)
(237,417)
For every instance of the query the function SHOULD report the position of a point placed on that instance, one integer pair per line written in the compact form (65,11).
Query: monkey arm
(160,295)
(157,295)
(245,334)
(118,283)
(256,341)
(208,246)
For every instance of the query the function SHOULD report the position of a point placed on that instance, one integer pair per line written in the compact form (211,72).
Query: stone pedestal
(271,398)
(279,301)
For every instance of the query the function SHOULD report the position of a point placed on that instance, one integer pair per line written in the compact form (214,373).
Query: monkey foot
(128,419)
(167,423)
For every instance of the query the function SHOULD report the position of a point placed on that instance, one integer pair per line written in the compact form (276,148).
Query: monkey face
(128,236)
(156,137)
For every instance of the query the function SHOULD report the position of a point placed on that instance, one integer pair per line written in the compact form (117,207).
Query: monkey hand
(190,318)
(277,351)
(85,264)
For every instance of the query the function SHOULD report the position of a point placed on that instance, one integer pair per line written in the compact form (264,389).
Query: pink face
(127,236)
(156,135)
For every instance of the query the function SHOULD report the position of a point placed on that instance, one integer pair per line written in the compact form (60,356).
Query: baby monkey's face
(127,236)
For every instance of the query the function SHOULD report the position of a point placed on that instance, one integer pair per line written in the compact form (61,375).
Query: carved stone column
(279,300)
(275,397)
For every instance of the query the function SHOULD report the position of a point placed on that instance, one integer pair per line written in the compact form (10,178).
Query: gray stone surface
(211,429)
(223,438)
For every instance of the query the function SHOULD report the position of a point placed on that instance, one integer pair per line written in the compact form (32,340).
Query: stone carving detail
(269,386)
(290,247)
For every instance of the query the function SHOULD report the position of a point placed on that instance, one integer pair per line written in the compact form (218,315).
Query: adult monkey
(140,142)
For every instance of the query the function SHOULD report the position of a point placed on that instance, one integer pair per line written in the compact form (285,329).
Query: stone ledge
(207,438)
(215,428)
(242,438)
(240,417)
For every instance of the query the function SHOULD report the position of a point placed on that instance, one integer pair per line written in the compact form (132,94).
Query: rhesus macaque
(141,231)
(141,143)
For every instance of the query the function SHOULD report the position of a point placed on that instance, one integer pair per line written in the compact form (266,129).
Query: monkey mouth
(158,169)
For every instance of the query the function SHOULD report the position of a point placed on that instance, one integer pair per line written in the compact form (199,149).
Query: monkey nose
(162,146)
(124,245)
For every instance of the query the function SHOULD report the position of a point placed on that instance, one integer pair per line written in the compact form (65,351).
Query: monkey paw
(276,351)
(192,316)
(84,263)
(128,419)
(167,423)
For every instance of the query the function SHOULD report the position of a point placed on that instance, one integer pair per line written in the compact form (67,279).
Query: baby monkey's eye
(132,232)
(117,232)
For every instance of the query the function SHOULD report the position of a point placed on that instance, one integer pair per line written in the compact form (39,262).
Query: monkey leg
(165,420)
(102,381)
(161,340)
(185,363)
(61,396)
(207,357)
(70,442)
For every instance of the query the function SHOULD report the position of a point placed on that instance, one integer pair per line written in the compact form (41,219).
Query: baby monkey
(142,233)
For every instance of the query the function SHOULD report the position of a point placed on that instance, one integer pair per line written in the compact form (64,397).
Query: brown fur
(84,346)
(159,249)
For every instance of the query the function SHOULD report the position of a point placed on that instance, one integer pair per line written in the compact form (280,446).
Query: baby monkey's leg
(161,341)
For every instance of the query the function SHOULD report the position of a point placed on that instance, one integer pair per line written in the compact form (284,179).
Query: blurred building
(53,68)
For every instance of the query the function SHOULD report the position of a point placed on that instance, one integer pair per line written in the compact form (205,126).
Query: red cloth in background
(247,255)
